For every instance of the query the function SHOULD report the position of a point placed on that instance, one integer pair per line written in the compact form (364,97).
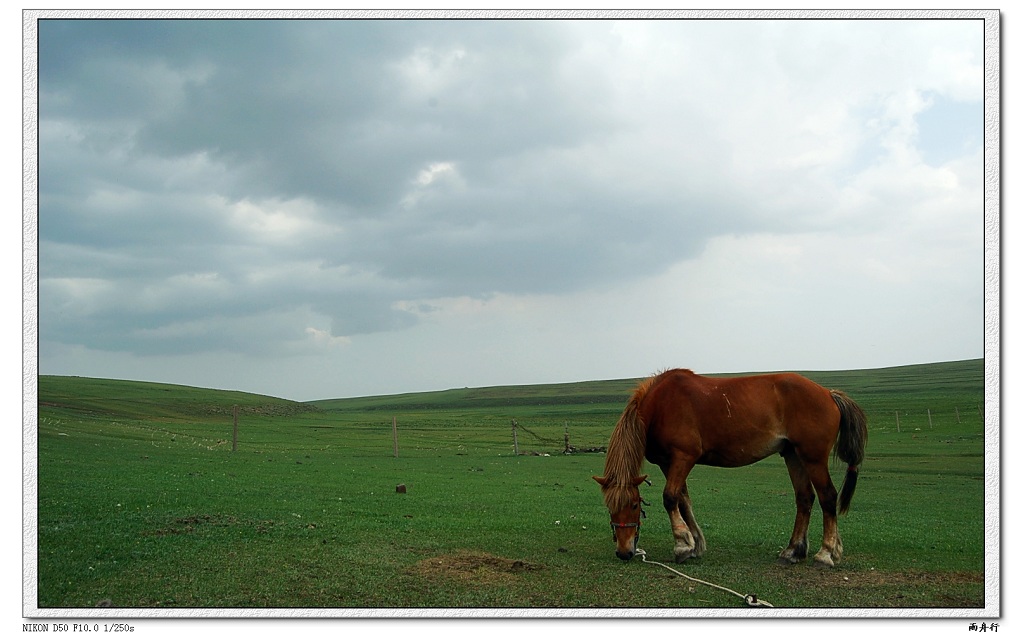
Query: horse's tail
(852,441)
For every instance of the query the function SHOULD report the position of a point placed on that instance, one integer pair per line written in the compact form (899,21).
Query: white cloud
(325,339)
(438,179)
(277,221)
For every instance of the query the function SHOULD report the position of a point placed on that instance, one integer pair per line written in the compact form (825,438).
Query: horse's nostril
(625,557)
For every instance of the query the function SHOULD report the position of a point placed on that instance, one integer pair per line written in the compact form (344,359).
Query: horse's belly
(741,454)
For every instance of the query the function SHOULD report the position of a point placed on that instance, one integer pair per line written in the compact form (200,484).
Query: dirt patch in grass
(471,566)
(191,523)
(855,579)
(954,589)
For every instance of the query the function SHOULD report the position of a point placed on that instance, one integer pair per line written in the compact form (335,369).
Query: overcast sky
(318,209)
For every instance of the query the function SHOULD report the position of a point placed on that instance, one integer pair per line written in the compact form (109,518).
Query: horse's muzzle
(625,556)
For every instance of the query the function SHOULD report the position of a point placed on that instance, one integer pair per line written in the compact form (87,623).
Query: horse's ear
(638,480)
(602,481)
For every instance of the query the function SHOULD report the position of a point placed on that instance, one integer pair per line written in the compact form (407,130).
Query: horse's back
(761,389)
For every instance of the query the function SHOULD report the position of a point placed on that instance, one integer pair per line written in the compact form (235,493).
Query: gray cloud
(348,115)
(242,185)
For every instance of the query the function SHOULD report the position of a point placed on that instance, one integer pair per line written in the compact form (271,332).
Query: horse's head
(626,508)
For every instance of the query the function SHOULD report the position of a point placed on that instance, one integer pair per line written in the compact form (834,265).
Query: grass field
(143,504)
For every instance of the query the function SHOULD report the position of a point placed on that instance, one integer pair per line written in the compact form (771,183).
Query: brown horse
(679,419)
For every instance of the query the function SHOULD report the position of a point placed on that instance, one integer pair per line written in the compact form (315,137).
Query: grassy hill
(909,388)
(908,391)
(582,393)
(105,398)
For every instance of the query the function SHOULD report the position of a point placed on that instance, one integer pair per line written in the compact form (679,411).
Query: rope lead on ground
(751,600)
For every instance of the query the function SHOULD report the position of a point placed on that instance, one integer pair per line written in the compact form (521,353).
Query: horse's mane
(626,450)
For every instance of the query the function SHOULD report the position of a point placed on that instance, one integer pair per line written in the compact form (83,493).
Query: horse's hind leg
(796,550)
(688,541)
(831,544)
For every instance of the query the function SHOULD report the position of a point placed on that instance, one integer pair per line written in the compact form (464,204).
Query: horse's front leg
(686,509)
(688,541)
(685,543)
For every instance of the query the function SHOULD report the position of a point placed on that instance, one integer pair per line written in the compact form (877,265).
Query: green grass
(142,502)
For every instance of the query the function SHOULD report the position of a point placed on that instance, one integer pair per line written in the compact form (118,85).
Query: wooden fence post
(515,435)
(897,428)
(394,434)
(568,447)
(234,435)
(929,421)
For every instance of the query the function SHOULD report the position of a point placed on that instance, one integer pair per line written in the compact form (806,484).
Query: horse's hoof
(823,561)
(682,557)
(792,555)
